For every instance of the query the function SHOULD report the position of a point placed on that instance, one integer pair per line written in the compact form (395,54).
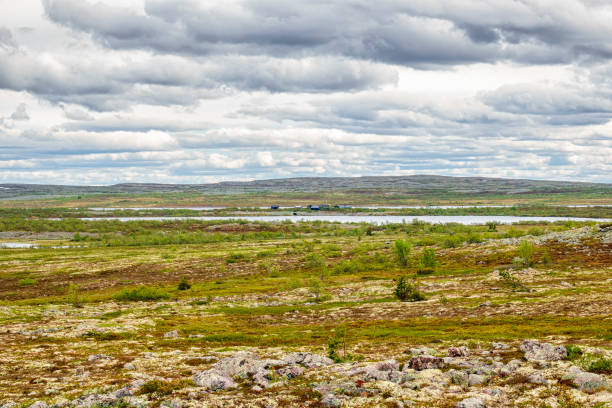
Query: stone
(308,360)
(213,380)
(96,357)
(500,346)
(470,403)
(458,377)
(388,365)
(9,404)
(171,334)
(129,366)
(536,378)
(535,350)
(477,379)
(330,400)
(39,404)
(584,381)
(458,351)
(422,350)
(290,371)
(240,364)
(425,361)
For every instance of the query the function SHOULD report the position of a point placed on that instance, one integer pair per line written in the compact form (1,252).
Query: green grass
(141,294)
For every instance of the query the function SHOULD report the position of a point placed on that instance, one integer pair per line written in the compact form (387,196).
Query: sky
(184,91)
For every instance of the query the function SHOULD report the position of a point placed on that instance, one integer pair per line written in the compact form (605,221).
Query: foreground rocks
(465,378)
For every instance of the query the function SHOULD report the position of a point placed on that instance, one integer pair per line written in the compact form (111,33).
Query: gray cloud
(415,34)
(20,113)
(189,91)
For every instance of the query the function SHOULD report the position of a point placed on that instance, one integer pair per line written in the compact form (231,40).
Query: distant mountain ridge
(430,183)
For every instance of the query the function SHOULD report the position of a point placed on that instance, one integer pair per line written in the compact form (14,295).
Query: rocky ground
(501,375)
(541,338)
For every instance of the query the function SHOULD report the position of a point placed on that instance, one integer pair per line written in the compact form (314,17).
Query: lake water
(366,207)
(370,219)
(16,245)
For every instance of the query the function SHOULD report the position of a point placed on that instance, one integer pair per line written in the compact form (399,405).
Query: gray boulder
(425,361)
(585,381)
(477,379)
(458,351)
(308,360)
(213,380)
(534,350)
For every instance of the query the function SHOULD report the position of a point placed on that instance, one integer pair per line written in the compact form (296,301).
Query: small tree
(407,292)
(402,251)
(427,262)
(526,250)
(74,295)
(492,225)
(183,284)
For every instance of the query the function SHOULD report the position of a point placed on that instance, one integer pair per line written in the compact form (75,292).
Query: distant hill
(417,183)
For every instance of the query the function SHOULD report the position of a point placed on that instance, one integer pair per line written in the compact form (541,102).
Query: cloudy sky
(185,91)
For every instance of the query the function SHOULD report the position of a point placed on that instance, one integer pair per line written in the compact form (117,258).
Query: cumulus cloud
(20,113)
(190,91)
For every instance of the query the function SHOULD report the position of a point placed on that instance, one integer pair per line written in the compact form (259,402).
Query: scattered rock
(534,350)
(330,400)
(171,334)
(213,380)
(500,346)
(470,403)
(536,378)
(585,381)
(425,361)
(477,379)
(458,351)
(422,351)
(308,360)
(96,357)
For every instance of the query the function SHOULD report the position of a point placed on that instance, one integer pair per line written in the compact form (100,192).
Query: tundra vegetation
(236,313)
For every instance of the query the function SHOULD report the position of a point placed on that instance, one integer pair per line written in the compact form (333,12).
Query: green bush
(74,295)
(314,261)
(141,294)
(427,262)
(596,364)
(402,251)
(235,257)
(26,282)
(526,250)
(512,282)
(573,352)
(546,259)
(183,284)
(407,292)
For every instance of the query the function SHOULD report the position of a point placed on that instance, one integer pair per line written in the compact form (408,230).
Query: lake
(370,219)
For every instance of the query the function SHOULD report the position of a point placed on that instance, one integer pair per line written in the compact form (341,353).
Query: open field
(105,324)
(405,190)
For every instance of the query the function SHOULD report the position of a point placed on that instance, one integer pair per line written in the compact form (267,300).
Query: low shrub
(26,282)
(573,352)
(407,292)
(183,284)
(314,261)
